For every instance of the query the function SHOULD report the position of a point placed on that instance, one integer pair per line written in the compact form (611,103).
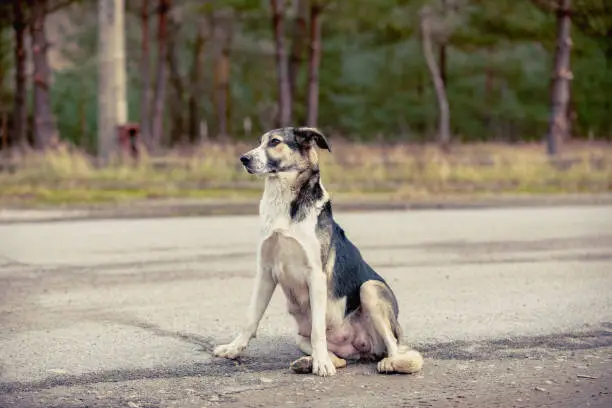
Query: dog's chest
(274,211)
(290,265)
(290,249)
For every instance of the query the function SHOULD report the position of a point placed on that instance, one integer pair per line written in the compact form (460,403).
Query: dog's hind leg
(303,365)
(377,302)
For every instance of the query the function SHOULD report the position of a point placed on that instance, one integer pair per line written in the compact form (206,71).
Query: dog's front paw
(231,351)
(323,367)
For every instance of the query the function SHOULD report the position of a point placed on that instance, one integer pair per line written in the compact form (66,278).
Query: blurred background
(115,101)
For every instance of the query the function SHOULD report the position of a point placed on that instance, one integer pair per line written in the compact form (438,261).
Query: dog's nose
(245,160)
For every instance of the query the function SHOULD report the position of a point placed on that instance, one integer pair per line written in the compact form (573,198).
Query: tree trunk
(222,72)
(421,125)
(442,50)
(313,64)
(160,87)
(81,139)
(119,65)
(195,79)
(223,92)
(145,72)
(284,89)
(45,131)
(223,38)
(442,58)
(19,103)
(559,125)
(176,107)
(4,133)
(297,46)
(488,97)
(444,113)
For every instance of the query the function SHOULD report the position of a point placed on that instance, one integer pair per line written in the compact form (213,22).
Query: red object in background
(128,135)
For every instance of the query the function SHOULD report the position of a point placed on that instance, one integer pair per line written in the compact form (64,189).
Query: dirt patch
(562,379)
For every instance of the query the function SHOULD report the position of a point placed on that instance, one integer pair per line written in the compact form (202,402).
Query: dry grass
(393,172)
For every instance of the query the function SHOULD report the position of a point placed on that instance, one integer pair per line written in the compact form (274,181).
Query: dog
(344,310)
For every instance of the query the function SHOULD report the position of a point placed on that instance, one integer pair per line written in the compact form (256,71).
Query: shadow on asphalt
(510,348)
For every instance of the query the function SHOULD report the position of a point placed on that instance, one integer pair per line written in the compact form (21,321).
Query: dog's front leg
(260,298)
(322,364)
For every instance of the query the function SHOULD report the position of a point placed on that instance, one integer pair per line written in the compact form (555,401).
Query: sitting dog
(343,308)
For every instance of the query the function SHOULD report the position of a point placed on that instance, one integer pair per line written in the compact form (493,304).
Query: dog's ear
(306,135)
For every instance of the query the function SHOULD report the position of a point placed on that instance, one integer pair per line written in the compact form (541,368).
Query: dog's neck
(293,195)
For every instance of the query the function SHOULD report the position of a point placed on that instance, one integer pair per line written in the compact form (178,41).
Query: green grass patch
(380,172)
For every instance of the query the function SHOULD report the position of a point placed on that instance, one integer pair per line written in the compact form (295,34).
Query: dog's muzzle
(246,161)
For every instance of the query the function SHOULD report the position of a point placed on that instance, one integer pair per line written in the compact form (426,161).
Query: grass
(399,172)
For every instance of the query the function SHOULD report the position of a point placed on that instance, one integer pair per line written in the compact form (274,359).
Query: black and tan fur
(343,308)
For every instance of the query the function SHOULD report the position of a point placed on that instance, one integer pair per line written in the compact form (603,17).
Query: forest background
(423,98)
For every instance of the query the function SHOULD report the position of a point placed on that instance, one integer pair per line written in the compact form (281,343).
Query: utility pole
(112,108)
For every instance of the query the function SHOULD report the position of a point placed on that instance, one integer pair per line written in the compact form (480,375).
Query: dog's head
(285,150)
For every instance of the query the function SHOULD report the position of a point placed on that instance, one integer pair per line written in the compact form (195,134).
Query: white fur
(281,267)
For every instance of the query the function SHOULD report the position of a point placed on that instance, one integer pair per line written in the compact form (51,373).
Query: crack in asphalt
(206,343)
(520,346)
(218,368)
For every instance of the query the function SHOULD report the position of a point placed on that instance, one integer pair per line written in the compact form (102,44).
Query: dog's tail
(407,361)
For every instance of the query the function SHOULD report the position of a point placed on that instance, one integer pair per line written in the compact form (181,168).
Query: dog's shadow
(263,354)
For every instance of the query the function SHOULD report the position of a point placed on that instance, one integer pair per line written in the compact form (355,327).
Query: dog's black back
(350,270)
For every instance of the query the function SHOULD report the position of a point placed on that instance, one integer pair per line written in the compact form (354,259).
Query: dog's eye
(273,142)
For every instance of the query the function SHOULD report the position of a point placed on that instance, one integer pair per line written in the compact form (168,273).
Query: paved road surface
(511,307)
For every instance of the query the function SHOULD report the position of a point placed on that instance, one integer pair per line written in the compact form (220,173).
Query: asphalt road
(510,307)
